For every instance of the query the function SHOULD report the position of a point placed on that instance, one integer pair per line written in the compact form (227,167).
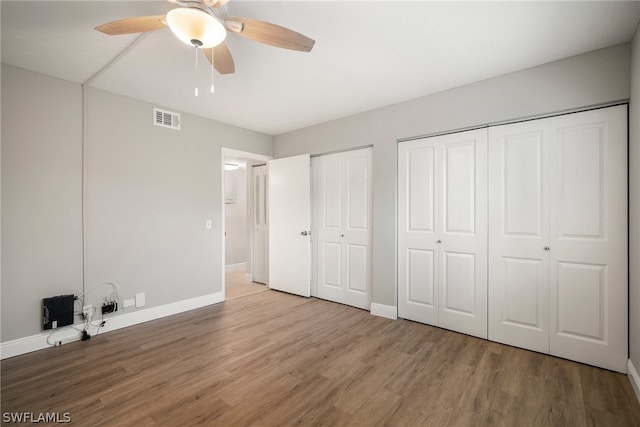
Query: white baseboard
(381,310)
(634,379)
(240,266)
(65,335)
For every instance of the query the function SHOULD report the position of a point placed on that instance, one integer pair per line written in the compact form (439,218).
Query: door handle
(304,233)
(438,241)
(546,248)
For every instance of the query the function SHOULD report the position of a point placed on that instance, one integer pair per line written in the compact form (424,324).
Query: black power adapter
(109,307)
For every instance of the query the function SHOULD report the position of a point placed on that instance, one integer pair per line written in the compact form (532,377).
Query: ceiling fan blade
(268,33)
(222,59)
(133,25)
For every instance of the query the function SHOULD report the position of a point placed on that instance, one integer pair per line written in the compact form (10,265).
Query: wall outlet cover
(140,300)
(129,303)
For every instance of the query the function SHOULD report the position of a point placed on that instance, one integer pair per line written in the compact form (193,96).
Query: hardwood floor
(274,359)
(237,285)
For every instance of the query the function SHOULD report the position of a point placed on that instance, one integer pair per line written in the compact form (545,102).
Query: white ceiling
(367,54)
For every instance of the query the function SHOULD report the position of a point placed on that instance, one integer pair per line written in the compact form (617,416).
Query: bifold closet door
(442,231)
(518,234)
(558,236)
(342,198)
(588,223)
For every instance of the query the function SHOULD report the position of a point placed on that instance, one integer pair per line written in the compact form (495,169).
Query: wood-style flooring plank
(273,359)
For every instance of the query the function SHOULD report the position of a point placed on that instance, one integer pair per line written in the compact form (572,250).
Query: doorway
(239,243)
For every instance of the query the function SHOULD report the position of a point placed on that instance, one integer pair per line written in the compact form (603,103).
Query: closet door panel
(342,227)
(520,158)
(358,269)
(588,280)
(357,194)
(420,284)
(518,235)
(582,291)
(462,284)
(459,187)
(580,179)
(523,278)
(417,259)
(459,283)
(329,196)
(442,231)
(356,234)
(331,265)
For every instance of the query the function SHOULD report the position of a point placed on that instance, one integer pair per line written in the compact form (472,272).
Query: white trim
(387,311)
(39,341)
(240,266)
(634,379)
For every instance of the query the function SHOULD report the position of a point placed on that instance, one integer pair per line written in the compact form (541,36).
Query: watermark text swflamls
(32,417)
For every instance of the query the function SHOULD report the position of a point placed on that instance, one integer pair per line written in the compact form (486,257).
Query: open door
(290,224)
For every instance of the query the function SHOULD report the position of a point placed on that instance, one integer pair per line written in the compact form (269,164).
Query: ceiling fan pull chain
(212,62)
(196,75)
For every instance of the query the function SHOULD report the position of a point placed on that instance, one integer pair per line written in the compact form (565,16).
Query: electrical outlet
(129,303)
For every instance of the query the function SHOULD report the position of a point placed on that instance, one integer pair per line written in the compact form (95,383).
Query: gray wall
(593,78)
(41,196)
(634,205)
(148,193)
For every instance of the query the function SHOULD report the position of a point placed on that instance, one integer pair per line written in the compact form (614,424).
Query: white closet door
(418,168)
(519,233)
(588,281)
(342,227)
(558,236)
(260,225)
(462,272)
(442,231)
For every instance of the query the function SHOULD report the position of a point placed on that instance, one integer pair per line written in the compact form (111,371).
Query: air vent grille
(167,119)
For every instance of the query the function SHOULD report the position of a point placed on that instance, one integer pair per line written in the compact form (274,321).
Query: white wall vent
(167,119)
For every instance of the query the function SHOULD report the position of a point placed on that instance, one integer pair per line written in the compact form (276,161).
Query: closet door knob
(546,248)
(304,233)
(438,241)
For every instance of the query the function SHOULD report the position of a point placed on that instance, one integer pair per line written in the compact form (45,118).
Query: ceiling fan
(204,24)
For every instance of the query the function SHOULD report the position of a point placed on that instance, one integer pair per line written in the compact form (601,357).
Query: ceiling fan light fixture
(196,27)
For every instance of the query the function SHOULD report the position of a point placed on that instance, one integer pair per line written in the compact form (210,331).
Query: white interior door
(588,248)
(259,220)
(519,234)
(289,202)
(442,231)
(342,227)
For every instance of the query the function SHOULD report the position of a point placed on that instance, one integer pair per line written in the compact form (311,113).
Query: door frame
(227,153)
